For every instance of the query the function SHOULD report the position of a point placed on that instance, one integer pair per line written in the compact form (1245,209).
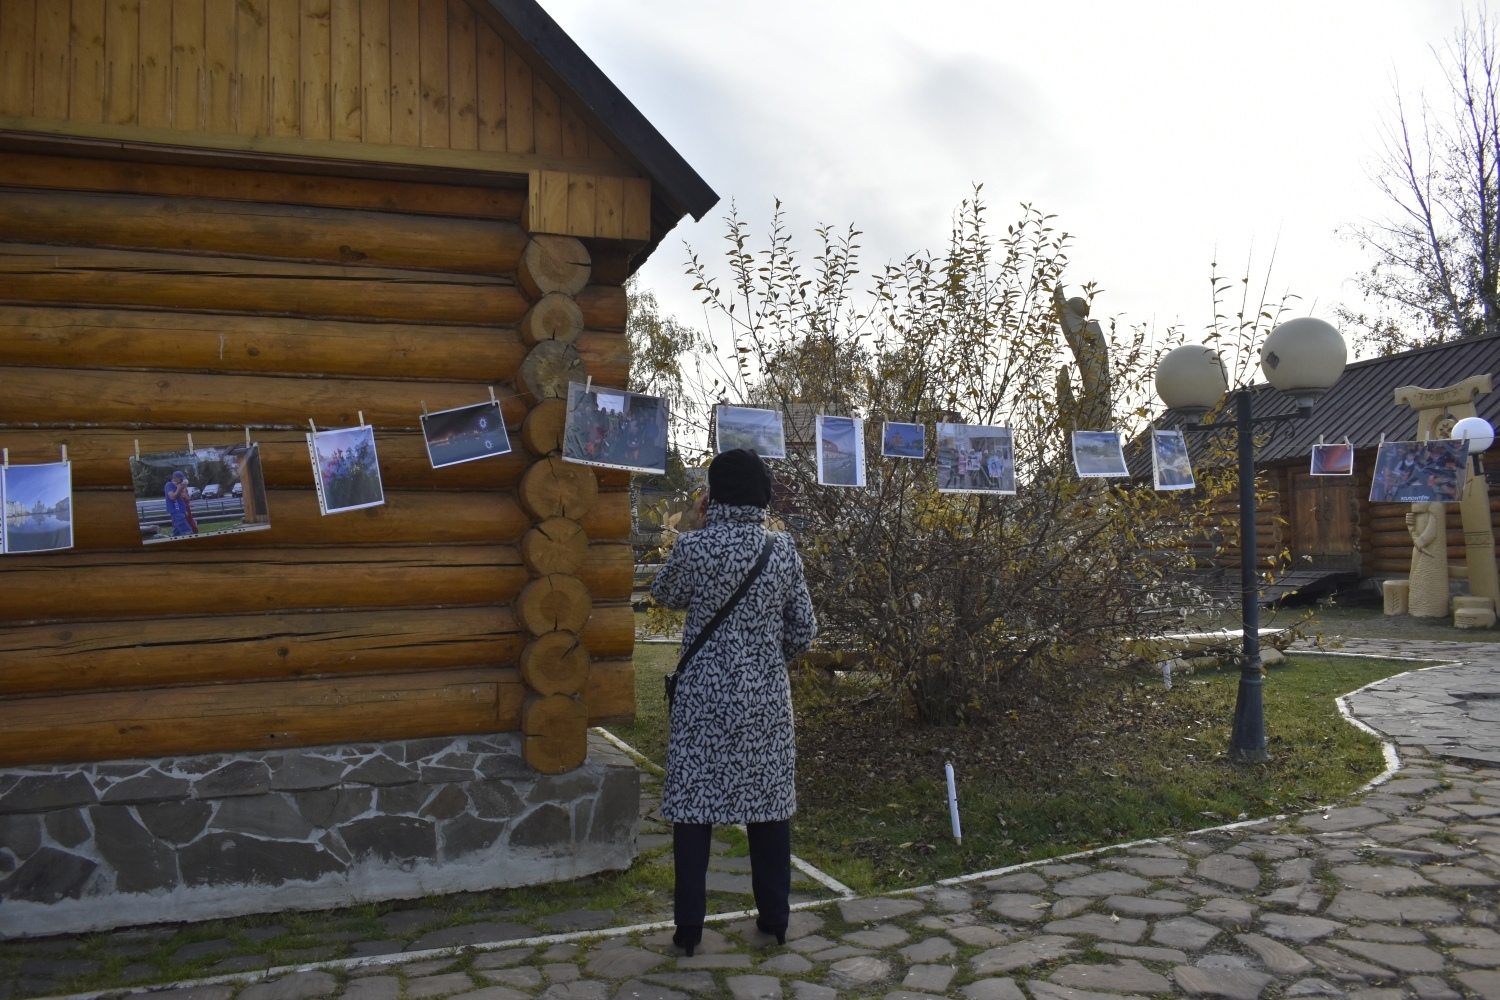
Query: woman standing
(731,753)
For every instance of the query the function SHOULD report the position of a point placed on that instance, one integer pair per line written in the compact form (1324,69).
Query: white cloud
(1163,135)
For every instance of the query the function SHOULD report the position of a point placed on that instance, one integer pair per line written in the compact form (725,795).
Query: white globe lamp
(1303,358)
(1477,432)
(1191,379)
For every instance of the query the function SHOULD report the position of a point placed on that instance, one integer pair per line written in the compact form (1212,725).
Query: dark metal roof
(1361,405)
(685,192)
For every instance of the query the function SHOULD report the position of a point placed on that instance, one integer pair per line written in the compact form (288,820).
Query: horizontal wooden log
(603,307)
(610,692)
(131,398)
(1455,536)
(58,337)
(105,520)
(99,277)
(211,227)
(100,457)
(609,571)
(82,656)
(172,581)
(1397,552)
(1389,524)
(266,716)
(29,170)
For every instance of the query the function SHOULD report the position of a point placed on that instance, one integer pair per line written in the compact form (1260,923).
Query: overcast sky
(1163,135)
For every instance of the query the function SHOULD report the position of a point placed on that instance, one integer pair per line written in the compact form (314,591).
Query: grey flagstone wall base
(87,847)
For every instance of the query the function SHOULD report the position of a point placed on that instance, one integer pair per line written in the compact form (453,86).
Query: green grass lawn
(1124,761)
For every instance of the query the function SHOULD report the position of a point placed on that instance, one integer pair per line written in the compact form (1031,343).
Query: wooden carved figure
(1428,524)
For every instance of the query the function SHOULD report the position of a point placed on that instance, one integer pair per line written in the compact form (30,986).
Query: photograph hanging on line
(1098,455)
(346,469)
(207,491)
(903,440)
(38,507)
(974,458)
(760,431)
(615,429)
(1332,460)
(841,450)
(1171,467)
(1420,471)
(465,434)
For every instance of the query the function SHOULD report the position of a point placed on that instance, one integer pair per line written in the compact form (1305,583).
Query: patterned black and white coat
(731,753)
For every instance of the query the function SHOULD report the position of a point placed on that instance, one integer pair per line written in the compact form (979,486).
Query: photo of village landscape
(1171,466)
(1098,455)
(760,431)
(841,451)
(903,440)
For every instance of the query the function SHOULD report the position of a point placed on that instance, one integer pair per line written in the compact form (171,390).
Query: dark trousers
(770,871)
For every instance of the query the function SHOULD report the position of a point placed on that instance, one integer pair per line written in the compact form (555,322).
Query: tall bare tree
(1436,269)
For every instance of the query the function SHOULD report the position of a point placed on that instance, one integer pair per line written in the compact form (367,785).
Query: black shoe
(778,931)
(688,938)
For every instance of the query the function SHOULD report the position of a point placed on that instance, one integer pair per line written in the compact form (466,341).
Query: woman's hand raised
(693,519)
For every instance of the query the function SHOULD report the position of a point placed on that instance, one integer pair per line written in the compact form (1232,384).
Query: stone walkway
(1391,896)
(1452,710)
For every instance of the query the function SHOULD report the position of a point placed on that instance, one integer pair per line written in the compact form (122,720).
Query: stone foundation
(93,846)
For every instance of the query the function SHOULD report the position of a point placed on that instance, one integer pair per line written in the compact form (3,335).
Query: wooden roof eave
(681,189)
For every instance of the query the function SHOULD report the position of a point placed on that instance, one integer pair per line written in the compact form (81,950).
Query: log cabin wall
(1223,549)
(129,312)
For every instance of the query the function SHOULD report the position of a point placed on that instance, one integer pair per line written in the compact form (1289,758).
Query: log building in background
(1322,533)
(228,214)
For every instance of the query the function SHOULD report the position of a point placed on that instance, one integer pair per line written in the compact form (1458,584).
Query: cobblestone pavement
(1452,710)
(1389,896)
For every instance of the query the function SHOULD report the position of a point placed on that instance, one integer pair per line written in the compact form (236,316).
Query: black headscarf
(739,478)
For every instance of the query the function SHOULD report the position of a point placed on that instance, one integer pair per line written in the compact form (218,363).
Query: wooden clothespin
(247,437)
(4,457)
(589,385)
(190,443)
(493,398)
(65,454)
(426,411)
(361,418)
(312,425)
(137,449)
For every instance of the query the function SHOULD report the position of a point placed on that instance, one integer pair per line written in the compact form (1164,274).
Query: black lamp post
(1303,358)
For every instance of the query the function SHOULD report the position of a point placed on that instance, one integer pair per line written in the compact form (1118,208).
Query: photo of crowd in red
(615,429)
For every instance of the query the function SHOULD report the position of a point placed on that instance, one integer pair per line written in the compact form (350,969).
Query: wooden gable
(425,82)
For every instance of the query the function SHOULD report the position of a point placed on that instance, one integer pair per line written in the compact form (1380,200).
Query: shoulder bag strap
(735,598)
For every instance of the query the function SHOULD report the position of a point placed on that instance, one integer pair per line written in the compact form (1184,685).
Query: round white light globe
(1191,378)
(1477,431)
(1304,357)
